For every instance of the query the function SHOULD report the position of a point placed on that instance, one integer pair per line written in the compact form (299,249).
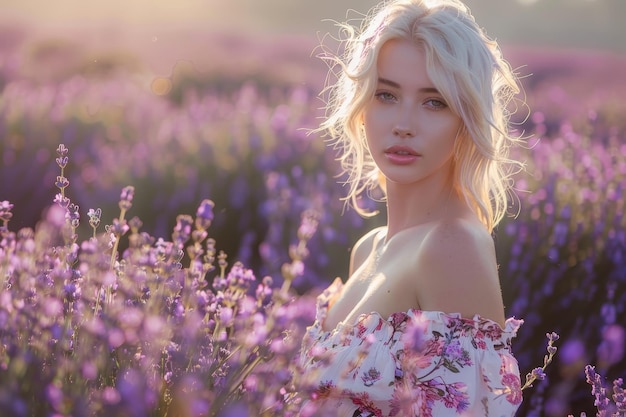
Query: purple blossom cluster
(563,257)
(87,330)
(248,149)
(606,407)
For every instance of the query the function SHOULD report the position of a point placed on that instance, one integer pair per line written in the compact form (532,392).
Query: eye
(436,104)
(385,97)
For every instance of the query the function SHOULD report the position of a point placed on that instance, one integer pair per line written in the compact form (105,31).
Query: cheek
(371,128)
(453,132)
(444,139)
(368,120)
(376,125)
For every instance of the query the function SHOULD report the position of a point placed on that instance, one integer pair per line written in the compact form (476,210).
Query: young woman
(419,329)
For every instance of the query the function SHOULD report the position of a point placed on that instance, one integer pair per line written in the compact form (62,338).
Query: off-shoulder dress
(413,363)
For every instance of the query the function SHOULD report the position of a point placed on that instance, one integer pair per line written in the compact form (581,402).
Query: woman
(419,329)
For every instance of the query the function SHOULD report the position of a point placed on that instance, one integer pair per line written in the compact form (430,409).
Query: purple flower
(73,215)
(135,224)
(62,182)
(597,389)
(61,200)
(413,337)
(538,373)
(5,211)
(235,410)
(135,394)
(619,396)
(204,214)
(308,224)
(453,351)
(239,277)
(292,269)
(72,291)
(370,377)
(552,337)
(264,290)
(126,197)
(55,396)
(62,161)
(226,316)
(572,352)
(94,217)
(119,227)
(62,150)
(56,215)
(110,396)
(182,230)
(611,349)
(220,284)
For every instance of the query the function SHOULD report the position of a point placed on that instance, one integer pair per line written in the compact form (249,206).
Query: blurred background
(561,23)
(197,99)
(159,33)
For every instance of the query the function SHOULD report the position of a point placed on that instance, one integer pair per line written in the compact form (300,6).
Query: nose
(403,131)
(403,126)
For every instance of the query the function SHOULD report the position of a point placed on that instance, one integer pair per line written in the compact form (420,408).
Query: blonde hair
(468,70)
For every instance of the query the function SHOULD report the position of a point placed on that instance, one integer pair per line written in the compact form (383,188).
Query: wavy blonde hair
(468,70)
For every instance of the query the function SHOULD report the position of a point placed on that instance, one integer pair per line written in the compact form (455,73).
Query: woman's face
(409,127)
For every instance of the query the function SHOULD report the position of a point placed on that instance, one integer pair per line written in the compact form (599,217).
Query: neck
(410,205)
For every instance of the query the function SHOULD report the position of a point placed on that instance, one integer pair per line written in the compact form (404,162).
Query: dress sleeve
(450,366)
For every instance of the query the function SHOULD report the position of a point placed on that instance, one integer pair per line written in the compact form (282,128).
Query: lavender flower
(62,151)
(62,183)
(5,210)
(204,214)
(308,226)
(73,215)
(119,227)
(539,373)
(62,201)
(182,230)
(299,252)
(94,218)
(619,396)
(126,198)
(5,213)
(597,390)
(62,161)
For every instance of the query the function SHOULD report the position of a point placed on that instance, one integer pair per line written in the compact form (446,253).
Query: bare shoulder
(363,247)
(459,272)
(459,240)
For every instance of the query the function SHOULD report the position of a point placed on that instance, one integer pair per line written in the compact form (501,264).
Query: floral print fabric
(417,363)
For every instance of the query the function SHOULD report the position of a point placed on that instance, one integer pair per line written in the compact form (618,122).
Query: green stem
(62,188)
(285,287)
(222,398)
(117,238)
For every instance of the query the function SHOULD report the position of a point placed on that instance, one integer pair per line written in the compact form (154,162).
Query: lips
(401,155)
(402,151)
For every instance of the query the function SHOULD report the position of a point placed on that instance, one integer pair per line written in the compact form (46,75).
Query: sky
(568,23)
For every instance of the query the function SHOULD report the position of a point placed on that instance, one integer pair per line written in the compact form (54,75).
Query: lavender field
(191,333)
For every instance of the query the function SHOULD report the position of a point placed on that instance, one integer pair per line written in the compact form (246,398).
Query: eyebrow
(393,84)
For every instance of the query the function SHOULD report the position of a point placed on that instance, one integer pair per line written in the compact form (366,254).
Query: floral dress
(414,363)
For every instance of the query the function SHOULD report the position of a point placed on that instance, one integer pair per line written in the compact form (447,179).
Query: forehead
(404,62)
